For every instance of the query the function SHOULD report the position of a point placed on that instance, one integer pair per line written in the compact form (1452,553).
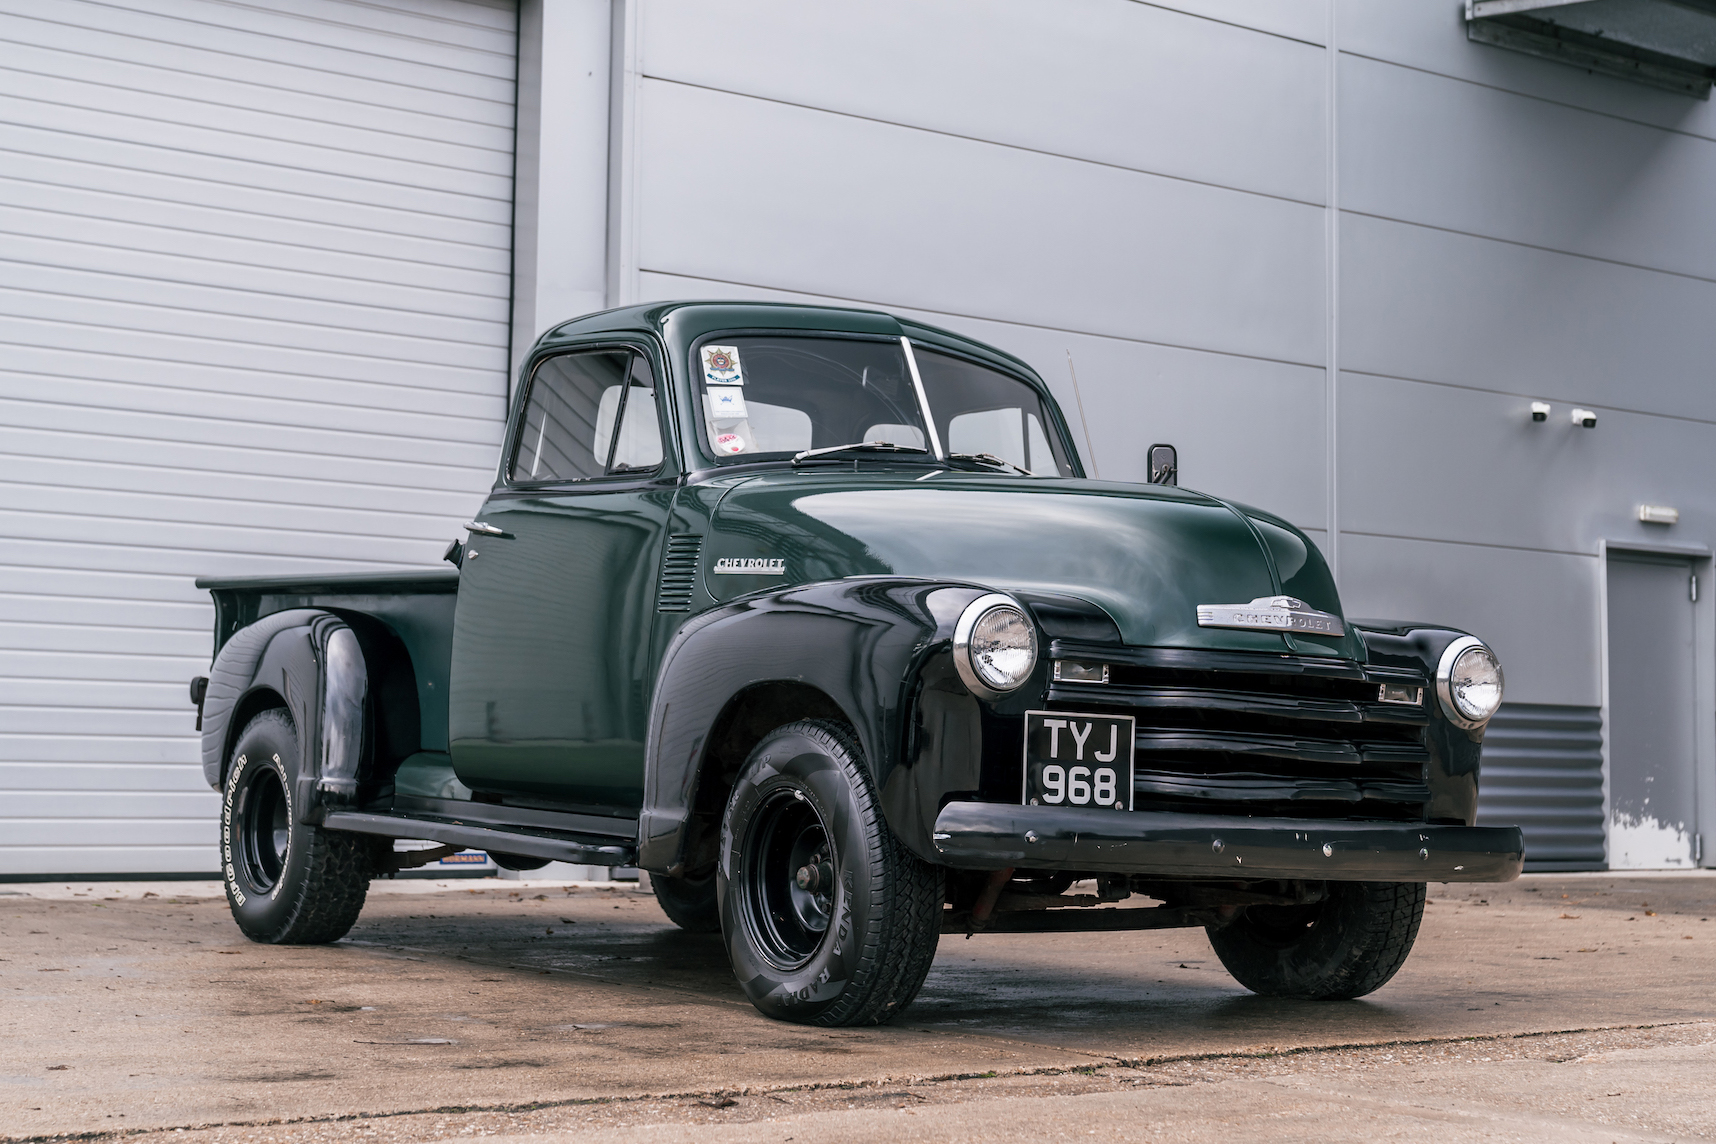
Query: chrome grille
(1257,733)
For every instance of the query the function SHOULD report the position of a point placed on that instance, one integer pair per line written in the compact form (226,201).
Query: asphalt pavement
(1573,1007)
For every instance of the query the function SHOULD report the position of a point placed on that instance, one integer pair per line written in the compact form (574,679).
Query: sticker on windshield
(726,402)
(721,366)
(730,443)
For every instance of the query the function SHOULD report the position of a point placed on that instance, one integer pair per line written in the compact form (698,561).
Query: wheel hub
(264,830)
(790,871)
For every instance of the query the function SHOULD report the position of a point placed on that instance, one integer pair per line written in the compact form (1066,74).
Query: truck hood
(1146,554)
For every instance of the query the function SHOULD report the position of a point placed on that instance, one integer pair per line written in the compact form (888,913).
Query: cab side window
(571,412)
(637,445)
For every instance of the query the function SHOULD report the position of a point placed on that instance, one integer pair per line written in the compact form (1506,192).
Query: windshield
(767,397)
(982,411)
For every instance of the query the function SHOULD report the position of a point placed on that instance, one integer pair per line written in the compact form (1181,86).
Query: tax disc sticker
(721,366)
(726,402)
(730,443)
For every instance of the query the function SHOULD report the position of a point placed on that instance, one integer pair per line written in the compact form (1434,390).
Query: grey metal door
(1651,712)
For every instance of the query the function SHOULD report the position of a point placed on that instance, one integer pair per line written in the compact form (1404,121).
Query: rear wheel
(518,863)
(1347,945)
(287,883)
(690,902)
(829,919)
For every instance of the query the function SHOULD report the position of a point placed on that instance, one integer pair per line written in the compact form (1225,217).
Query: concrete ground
(1564,1007)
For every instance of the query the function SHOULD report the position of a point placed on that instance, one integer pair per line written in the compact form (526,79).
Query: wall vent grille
(679,572)
(1543,772)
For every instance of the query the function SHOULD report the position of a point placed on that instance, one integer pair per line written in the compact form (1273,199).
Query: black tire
(518,863)
(287,883)
(1041,882)
(1347,945)
(853,956)
(689,903)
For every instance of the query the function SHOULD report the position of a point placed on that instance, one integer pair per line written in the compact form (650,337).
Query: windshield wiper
(858,447)
(989,459)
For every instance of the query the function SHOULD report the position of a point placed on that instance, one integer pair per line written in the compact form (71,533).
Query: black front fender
(1455,753)
(861,643)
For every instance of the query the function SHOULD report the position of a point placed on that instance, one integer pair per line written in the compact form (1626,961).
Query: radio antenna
(1089,447)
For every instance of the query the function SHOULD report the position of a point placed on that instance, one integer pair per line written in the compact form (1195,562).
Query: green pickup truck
(813,614)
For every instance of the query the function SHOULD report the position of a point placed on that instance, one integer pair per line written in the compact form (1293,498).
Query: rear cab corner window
(588,414)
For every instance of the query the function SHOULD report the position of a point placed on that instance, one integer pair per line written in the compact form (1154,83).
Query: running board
(1082,920)
(527,843)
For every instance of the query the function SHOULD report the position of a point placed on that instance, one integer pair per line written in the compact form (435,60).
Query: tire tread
(327,900)
(906,901)
(1376,944)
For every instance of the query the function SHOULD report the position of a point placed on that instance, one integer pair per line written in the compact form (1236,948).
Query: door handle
(485,529)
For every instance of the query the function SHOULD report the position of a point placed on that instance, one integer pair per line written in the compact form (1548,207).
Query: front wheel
(828,918)
(1347,945)
(288,883)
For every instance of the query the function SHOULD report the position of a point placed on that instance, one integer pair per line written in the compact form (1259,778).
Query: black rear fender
(311,663)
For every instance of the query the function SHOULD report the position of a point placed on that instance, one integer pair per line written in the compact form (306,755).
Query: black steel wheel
(287,882)
(789,901)
(828,918)
(1347,945)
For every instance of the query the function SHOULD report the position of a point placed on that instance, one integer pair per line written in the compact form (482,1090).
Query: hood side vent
(679,572)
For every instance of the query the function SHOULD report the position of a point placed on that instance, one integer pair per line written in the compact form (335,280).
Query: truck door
(552,633)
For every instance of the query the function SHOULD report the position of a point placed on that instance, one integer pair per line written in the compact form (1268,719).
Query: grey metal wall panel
(1437,306)
(1431,35)
(810,201)
(1307,20)
(1423,148)
(1537,609)
(255,313)
(1136,393)
(1133,85)
(1501,478)
(1543,772)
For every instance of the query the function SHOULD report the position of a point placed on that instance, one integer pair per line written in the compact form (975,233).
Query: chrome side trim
(1271,614)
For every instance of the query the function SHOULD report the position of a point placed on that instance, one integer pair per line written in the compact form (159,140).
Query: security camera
(1540,410)
(1585,417)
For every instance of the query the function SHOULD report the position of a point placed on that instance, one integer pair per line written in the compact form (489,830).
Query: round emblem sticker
(730,443)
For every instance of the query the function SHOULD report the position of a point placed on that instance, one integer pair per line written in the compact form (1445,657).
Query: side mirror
(1164,465)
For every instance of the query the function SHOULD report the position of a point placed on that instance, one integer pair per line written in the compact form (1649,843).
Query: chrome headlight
(1469,682)
(994,645)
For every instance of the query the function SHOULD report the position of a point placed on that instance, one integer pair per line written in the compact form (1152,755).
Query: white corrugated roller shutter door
(254,278)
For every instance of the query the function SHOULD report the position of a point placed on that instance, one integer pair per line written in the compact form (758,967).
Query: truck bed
(417,605)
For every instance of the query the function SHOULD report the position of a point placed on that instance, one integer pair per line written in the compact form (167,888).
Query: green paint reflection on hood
(1148,555)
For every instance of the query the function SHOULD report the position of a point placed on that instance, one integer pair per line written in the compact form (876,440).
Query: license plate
(1078,760)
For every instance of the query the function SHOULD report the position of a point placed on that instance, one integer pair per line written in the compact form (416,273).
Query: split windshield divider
(923,401)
